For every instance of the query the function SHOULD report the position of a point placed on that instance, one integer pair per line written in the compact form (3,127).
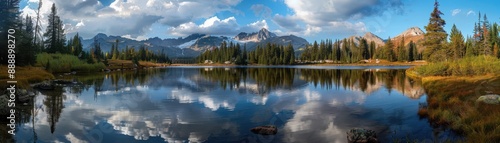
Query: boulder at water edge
(489,99)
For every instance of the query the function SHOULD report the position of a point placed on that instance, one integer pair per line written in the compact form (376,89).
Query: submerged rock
(358,135)
(489,99)
(25,95)
(45,85)
(265,130)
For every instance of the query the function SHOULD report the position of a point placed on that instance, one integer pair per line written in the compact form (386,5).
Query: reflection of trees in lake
(260,80)
(118,80)
(53,106)
(272,78)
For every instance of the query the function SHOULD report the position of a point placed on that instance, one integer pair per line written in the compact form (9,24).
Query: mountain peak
(372,37)
(263,34)
(412,31)
(101,35)
(369,34)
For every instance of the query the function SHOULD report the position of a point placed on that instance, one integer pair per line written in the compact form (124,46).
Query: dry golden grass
(24,76)
(452,102)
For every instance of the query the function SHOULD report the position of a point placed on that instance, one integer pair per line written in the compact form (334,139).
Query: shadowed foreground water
(220,104)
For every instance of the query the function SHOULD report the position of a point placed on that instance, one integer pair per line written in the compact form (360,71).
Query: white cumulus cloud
(130,17)
(216,26)
(340,16)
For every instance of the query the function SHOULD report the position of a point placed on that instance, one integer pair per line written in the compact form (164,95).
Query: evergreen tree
(469,48)
(24,47)
(478,31)
(387,52)
(412,51)
(55,37)
(365,51)
(402,53)
(372,49)
(9,11)
(435,37)
(116,53)
(96,51)
(486,42)
(457,45)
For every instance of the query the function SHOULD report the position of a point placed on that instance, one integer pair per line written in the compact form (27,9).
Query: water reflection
(222,104)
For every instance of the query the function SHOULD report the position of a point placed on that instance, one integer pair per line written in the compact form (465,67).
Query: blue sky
(311,19)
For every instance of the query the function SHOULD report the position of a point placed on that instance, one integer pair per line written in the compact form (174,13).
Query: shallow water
(222,104)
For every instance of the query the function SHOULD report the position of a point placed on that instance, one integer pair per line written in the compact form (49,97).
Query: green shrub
(61,63)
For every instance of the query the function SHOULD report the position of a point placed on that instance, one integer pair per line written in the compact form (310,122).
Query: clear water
(222,104)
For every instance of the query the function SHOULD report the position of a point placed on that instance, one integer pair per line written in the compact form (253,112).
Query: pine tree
(77,46)
(469,47)
(54,34)
(25,49)
(363,46)
(9,11)
(401,49)
(412,51)
(97,52)
(372,49)
(457,45)
(486,42)
(435,37)
(388,51)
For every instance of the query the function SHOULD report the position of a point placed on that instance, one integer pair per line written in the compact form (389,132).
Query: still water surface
(222,104)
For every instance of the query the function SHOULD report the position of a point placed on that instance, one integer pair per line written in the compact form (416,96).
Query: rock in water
(358,135)
(489,99)
(265,130)
(45,85)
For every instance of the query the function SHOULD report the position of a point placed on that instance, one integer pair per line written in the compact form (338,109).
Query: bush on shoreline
(470,66)
(60,63)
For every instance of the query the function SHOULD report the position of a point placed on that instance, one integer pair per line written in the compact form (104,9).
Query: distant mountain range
(193,45)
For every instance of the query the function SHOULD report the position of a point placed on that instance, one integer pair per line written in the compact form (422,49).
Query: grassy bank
(64,63)
(127,64)
(454,87)
(24,76)
(471,66)
(452,102)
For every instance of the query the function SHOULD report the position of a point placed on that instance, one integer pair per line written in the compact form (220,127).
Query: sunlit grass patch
(452,102)
(25,76)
